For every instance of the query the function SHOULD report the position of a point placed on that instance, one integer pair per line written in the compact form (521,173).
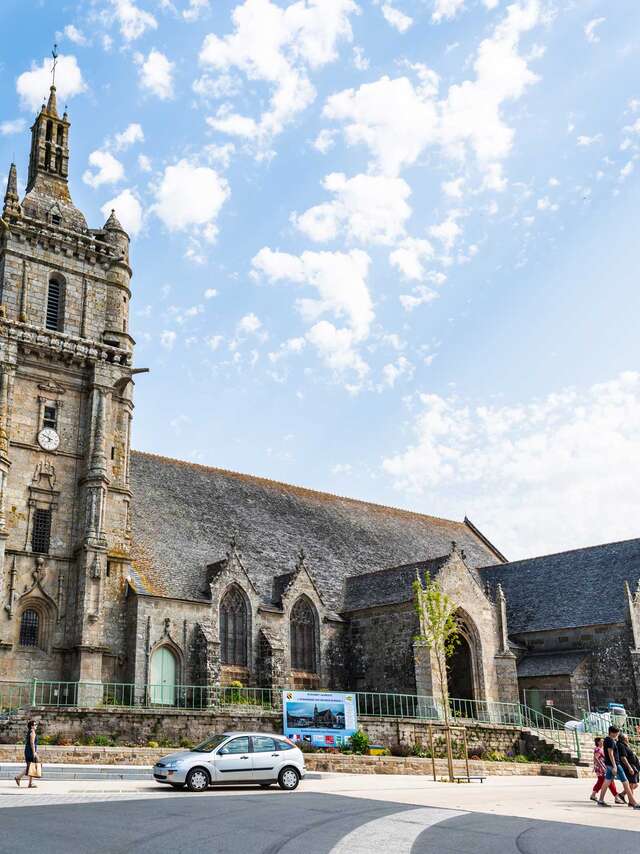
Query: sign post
(319,718)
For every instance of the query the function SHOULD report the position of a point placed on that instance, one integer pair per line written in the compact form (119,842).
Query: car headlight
(172,766)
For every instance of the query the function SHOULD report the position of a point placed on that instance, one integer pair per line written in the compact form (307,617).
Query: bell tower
(66,381)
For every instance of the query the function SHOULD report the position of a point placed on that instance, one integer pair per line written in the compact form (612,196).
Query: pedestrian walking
(600,770)
(614,770)
(31,757)
(629,760)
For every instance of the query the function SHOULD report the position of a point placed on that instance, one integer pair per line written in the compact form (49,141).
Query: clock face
(48,439)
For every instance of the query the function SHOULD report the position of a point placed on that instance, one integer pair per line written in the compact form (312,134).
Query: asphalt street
(276,822)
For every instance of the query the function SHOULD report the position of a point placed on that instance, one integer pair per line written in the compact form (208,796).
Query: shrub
(359,742)
(496,756)
(152,744)
(46,739)
(401,750)
(187,743)
(520,758)
(102,741)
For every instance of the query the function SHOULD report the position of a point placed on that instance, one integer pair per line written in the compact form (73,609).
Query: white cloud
(109,170)
(74,35)
(133,22)
(144,163)
(453,188)
(33,86)
(325,141)
(340,279)
(128,137)
(397,121)
(393,371)
(545,204)
(420,296)
(195,9)
(447,232)
(11,126)
(553,182)
(156,74)
(210,293)
(586,141)
(396,18)
(249,324)
(366,208)
(493,178)
(278,46)
(213,342)
(336,347)
(128,210)
(446,9)
(409,255)
(291,346)
(590,30)
(189,195)
(626,170)
(360,61)
(168,339)
(540,476)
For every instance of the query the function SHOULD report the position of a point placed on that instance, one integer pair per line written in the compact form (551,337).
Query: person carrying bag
(31,758)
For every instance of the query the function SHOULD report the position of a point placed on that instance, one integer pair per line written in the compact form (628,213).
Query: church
(124,567)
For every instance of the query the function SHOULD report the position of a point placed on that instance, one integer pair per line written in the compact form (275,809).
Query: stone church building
(119,566)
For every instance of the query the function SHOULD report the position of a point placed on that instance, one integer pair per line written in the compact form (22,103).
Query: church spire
(52,104)
(11,199)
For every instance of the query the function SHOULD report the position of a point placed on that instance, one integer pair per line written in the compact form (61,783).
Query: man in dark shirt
(615,769)
(629,760)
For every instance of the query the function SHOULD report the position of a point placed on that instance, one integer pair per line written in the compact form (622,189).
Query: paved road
(275,822)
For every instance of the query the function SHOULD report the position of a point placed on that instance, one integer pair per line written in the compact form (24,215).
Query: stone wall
(380,649)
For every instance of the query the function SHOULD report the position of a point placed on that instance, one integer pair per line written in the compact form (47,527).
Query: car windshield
(209,745)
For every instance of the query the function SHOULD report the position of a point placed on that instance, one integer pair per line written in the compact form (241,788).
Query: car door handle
(244,757)
(275,755)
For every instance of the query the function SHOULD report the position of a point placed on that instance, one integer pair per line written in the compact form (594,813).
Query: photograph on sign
(318,718)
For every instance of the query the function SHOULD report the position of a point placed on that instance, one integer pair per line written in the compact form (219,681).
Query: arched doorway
(460,672)
(162,680)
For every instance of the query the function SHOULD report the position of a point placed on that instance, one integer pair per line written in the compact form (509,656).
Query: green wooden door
(163,677)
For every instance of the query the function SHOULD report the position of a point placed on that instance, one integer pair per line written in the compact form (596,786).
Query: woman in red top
(600,769)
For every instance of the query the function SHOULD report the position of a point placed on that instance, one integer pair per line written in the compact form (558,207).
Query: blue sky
(387,250)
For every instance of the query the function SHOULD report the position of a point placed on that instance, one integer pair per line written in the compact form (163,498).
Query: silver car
(234,757)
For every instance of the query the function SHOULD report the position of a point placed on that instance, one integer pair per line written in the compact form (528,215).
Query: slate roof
(584,587)
(551,663)
(184,516)
(388,586)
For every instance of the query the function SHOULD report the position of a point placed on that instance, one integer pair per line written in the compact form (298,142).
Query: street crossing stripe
(399,831)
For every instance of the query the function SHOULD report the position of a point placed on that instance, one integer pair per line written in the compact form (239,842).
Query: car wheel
(265,785)
(198,780)
(177,785)
(288,779)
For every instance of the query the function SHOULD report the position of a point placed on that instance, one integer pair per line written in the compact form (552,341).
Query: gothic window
(59,136)
(303,636)
(29,628)
(49,131)
(233,628)
(53,318)
(41,532)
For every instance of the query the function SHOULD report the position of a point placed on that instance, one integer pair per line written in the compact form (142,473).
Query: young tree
(439,630)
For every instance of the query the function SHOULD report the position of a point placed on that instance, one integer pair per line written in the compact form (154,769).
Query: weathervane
(54,54)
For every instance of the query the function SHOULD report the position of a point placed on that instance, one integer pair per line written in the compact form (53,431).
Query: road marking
(399,831)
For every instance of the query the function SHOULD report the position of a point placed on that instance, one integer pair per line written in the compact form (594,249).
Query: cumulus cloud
(540,476)
(33,86)
(409,257)
(585,141)
(195,10)
(128,210)
(108,170)
(156,74)
(397,120)
(445,10)
(366,208)
(132,21)
(396,18)
(133,133)
(339,278)
(168,339)
(278,46)
(189,195)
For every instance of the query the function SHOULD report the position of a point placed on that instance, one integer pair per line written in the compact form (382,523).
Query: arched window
(233,628)
(60,135)
(30,628)
(303,636)
(55,295)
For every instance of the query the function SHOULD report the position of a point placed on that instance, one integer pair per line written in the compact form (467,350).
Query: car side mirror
(223,752)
